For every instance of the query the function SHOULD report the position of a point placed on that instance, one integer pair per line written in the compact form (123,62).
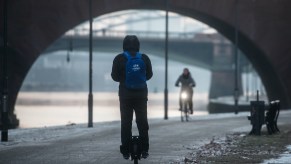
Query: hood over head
(131,43)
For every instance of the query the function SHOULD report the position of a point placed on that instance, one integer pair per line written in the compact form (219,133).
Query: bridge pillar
(222,78)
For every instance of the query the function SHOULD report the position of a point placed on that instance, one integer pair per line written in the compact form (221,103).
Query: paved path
(168,141)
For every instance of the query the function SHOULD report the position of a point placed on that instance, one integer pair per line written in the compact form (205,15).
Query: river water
(40,109)
(55,91)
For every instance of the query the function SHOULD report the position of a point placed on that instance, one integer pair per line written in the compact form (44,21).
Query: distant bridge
(183,47)
(209,51)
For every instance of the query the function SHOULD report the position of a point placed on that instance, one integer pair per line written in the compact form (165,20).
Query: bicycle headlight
(184,95)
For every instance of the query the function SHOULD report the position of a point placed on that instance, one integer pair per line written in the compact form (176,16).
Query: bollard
(4,119)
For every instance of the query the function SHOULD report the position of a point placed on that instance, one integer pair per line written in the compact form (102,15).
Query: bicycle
(185,110)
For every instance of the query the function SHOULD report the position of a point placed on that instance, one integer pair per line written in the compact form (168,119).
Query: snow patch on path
(284,158)
(46,135)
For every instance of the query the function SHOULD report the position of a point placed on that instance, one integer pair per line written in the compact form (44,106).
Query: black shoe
(124,152)
(191,111)
(144,154)
(126,155)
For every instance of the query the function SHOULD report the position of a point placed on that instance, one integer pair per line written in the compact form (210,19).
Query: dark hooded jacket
(186,81)
(130,44)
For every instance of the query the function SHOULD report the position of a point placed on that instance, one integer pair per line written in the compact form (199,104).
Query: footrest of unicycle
(135,148)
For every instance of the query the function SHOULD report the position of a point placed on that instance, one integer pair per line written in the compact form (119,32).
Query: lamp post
(90,96)
(166,64)
(4,97)
(247,81)
(236,90)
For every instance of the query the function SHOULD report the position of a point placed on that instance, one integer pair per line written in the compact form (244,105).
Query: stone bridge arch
(264,32)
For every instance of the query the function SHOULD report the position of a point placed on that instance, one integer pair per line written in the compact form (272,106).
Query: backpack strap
(128,56)
(138,55)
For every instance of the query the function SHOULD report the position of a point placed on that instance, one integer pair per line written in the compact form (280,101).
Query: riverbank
(243,148)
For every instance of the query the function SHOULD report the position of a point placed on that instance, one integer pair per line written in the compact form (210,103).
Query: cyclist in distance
(187,84)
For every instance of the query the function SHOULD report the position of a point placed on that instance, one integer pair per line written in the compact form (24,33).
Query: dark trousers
(139,106)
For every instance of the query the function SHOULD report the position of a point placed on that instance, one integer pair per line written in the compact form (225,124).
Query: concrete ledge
(218,107)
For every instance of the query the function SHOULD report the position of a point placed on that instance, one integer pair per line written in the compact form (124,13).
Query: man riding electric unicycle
(132,69)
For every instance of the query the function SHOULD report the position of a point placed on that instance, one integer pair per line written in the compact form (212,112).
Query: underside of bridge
(264,32)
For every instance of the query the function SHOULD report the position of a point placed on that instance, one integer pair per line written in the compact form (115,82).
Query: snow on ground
(46,135)
(35,136)
(284,158)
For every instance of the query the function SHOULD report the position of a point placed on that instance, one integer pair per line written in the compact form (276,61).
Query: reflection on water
(39,109)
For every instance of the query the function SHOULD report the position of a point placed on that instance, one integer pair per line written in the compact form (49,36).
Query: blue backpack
(135,71)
